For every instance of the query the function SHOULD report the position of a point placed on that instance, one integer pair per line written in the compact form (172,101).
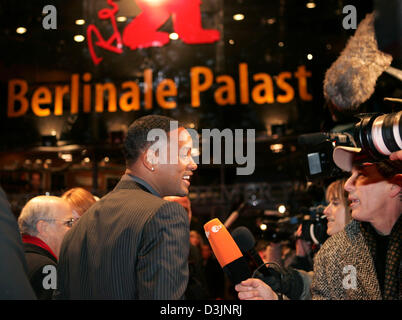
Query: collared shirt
(145,185)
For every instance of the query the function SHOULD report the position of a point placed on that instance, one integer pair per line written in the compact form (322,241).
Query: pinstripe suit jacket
(129,245)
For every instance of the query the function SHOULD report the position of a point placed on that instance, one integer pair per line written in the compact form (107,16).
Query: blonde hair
(336,190)
(79,199)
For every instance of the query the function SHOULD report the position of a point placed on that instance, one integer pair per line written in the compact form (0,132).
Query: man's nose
(192,165)
(349,184)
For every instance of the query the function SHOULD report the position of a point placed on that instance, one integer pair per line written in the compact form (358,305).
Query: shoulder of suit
(172,206)
(36,261)
(341,242)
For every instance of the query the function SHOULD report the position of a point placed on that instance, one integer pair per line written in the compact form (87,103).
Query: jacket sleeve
(14,283)
(307,278)
(320,283)
(162,267)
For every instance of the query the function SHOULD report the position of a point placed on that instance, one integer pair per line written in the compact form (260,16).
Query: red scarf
(26,238)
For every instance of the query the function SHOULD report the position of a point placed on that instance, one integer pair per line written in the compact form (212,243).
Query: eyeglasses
(69,223)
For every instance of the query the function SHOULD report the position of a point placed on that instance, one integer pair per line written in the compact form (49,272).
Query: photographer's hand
(396,155)
(255,289)
(303,248)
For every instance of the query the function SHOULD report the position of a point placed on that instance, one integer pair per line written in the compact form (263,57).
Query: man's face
(58,226)
(368,193)
(174,176)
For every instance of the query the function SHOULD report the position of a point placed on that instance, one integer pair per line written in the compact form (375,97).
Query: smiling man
(364,260)
(132,244)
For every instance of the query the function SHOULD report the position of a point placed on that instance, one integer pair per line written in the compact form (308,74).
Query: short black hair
(136,139)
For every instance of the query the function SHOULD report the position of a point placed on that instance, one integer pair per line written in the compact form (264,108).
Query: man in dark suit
(14,283)
(132,244)
(43,222)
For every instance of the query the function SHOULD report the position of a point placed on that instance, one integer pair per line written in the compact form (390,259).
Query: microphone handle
(232,218)
(237,270)
(286,281)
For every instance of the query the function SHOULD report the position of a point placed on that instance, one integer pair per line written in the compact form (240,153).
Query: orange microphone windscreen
(222,243)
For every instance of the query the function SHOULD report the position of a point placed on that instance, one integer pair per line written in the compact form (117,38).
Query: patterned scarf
(392,281)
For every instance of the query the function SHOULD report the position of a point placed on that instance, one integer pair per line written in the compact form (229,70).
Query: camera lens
(380,135)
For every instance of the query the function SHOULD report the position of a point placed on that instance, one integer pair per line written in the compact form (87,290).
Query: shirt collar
(145,184)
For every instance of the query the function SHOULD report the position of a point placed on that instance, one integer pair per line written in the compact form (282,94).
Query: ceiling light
(21,30)
(79,38)
(282,209)
(80,22)
(276,148)
(231,41)
(121,19)
(238,17)
(281,44)
(67,157)
(310,5)
(173,36)
(271,20)
(309,56)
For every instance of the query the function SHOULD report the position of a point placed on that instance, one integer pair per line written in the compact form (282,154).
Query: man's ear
(396,187)
(42,226)
(150,159)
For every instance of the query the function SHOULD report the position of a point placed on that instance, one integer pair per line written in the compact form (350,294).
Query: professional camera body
(278,230)
(314,228)
(377,135)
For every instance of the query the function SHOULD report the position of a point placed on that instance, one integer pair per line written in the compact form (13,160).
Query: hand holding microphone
(226,251)
(286,281)
(255,289)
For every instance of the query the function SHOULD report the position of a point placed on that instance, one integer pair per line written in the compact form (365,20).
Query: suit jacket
(344,268)
(131,244)
(38,258)
(14,283)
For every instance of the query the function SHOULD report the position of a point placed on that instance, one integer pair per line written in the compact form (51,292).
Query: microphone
(312,139)
(246,242)
(351,79)
(284,280)
(227,252)
(234,215)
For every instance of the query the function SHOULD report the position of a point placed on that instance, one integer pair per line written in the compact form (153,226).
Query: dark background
(49,57)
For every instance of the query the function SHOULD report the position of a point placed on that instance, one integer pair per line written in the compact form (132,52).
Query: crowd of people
(362,258)
(136,243)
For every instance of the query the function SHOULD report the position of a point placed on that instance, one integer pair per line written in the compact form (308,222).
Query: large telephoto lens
(380,135)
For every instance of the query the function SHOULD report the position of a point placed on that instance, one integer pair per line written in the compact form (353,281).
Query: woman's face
(336,214)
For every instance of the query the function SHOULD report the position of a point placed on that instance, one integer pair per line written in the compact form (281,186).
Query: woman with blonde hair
(338,211)
(80,200)
(338,216)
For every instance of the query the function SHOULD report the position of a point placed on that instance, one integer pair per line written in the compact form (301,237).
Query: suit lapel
(367,282)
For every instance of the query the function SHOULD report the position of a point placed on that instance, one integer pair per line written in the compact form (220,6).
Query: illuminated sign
(259,88)
(142,31)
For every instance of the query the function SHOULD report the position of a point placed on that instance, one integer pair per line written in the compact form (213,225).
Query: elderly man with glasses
(43,222)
